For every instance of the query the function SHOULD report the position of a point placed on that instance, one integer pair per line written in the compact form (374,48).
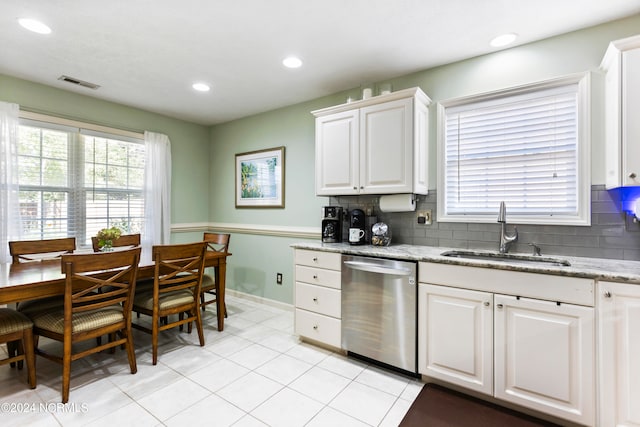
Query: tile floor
(254,373)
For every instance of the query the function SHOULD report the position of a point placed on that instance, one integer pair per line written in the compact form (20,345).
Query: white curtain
(157,202)
(9,196)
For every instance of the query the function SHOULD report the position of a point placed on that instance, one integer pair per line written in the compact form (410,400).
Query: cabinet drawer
(318,276)
(328,260)
(317,327)
(318,299)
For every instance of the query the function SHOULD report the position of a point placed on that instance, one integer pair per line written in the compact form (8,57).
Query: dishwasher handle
(376,268)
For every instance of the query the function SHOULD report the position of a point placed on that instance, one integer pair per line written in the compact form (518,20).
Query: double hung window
(528,147)
(75,181)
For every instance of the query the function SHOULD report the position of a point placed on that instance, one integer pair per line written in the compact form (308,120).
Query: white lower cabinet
(456,336)
(531,352)
(544,356)
(619,353)
(318,296)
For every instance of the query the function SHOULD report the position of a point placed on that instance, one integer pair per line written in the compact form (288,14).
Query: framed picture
(260,179)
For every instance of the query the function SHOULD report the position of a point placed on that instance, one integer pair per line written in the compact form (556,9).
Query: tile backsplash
(607,237)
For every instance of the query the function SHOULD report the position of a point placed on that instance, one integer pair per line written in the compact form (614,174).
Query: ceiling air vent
(78,82)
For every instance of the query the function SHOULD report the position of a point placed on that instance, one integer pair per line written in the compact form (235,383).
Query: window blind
(521,149)
(73,182)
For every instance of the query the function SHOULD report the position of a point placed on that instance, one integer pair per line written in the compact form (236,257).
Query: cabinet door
(544,357)
(619,347)
(630,122)
(386,148)
(455,336)
(613,136)
(337,154)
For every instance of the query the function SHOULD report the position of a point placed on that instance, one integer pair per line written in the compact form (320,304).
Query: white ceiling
(147,53)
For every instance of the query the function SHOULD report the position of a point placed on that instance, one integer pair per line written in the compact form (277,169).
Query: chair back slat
(179,267)
(132,240)
(99,280)
(35,250)
(218,242)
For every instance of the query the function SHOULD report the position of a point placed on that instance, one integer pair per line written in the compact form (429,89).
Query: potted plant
(106,236)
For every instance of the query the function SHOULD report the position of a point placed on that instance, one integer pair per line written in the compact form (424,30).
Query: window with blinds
(527,147)
(73,182)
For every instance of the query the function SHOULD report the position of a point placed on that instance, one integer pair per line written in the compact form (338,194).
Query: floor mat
(437,406)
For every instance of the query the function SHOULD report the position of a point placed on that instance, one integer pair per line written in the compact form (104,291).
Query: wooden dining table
(41,279)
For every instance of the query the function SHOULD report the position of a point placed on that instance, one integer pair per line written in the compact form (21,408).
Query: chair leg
(112,338)
(12,350)
(131,353)
(29,353)
(66,370)
(20,345)
(154,342)
(199,327)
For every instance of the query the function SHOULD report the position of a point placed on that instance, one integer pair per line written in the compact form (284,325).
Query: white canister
(384,88)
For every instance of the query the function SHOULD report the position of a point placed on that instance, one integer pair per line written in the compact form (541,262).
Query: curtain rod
(33,114)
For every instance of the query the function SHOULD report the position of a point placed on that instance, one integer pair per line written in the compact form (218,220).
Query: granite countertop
(593,268)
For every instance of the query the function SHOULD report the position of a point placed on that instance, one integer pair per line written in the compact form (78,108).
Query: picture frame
(260,179)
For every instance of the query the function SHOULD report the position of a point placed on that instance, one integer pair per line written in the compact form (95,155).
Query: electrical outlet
(424,217)
(631,222)
(279,278)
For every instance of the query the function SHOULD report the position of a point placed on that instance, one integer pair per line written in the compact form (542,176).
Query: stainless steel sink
(511,258)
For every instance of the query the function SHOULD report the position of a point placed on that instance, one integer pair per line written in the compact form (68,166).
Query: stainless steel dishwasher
(379,310)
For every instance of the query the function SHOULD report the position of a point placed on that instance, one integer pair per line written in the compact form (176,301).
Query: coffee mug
(355,234)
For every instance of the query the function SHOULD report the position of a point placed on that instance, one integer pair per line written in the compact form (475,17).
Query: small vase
(107,247)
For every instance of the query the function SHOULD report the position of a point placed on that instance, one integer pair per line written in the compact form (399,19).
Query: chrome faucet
(505,239)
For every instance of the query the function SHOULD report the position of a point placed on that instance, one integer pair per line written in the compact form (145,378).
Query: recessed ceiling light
(503,40)
(34,25)
(201,87)
(292,62)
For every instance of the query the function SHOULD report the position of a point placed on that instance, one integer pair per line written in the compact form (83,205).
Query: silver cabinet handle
(315,259)
(315,276)
(499,306)
(607,294)
(315,327)
(632,175)
(355,188)
(315,299)
(487,303)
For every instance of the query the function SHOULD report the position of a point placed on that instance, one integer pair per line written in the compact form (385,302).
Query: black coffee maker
(331,224)
(357,227)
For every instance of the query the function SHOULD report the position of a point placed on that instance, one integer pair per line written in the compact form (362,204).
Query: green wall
(256,258)
(204,158)
(189,142)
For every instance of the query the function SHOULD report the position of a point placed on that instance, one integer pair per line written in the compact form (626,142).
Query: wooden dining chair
(97,301)
(17,328)
(132,240)
(218,242)
(36,250)
(176,290)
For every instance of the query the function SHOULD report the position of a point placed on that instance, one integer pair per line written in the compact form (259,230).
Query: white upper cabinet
(621,64)
(374,146)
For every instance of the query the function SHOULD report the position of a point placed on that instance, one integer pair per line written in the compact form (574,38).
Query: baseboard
(261,300)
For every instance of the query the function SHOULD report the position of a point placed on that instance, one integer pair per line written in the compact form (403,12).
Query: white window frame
(583,216)
(76,194)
